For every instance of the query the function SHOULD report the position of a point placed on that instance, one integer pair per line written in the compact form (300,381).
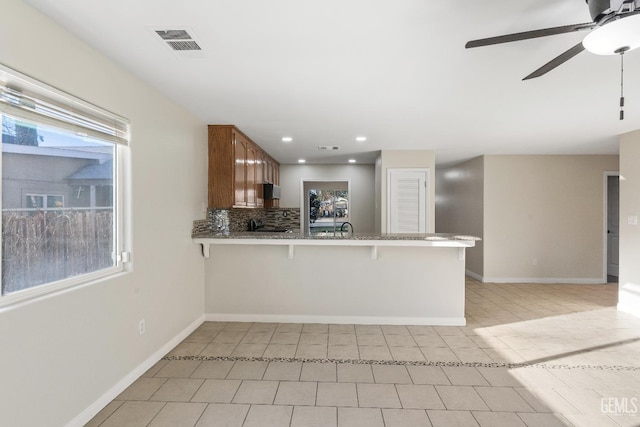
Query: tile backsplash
(237,220)
(283,218)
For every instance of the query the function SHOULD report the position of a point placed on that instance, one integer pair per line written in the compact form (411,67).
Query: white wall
(63,353)
(361,198)
(629,279)
(460,206)
(544,217)
(406,159)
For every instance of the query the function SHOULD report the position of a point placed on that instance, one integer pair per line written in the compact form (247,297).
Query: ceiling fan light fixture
(613,36)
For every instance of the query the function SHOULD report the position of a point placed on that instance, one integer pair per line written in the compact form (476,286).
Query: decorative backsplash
(201,226)
(283,218)
(237,220)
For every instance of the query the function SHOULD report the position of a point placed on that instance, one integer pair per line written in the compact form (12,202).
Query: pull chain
(622,84)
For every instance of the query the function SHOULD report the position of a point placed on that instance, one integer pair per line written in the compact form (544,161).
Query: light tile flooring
(531,355)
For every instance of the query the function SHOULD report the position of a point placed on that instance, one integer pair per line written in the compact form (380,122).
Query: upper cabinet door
(268,167)
(240,151)
(252,159)
(260,179)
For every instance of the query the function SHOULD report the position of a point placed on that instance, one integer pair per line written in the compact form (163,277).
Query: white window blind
(23,98)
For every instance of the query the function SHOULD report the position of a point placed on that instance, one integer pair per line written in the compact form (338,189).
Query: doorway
(612,226)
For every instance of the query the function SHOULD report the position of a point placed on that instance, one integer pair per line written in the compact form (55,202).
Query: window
(40,201)
(61,189)
(326,206)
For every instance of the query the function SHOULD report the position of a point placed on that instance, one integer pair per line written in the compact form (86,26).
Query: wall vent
(328,147)
(178,40)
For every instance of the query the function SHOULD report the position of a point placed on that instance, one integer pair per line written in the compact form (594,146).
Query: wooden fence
(44,246)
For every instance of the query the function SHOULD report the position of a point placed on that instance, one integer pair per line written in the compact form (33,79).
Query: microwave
(271,191)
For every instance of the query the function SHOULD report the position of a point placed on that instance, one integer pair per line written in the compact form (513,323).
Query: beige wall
(541,218)
(406,159)
(62,354)
(460,206)
(629,298)
(544,217)
(361,198)
(404,285)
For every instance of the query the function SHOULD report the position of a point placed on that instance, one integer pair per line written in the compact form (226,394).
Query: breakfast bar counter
(369,278)
(372,240)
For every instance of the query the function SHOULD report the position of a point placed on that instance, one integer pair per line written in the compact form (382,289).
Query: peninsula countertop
(362,278)
(435,237)
(372,240)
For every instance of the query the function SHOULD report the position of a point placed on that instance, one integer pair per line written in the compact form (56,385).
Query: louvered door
(407,200)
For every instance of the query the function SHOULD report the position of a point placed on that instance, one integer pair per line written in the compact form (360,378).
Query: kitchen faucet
(349,226)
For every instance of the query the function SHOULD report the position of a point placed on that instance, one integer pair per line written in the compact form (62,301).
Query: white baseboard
(473,275)
(539,280)
(356,320)
(86,415)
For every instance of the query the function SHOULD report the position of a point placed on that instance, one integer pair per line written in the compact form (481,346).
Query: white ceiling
(397,72)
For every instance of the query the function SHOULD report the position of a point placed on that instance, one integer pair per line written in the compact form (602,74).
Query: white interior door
(613,225)
(407,201)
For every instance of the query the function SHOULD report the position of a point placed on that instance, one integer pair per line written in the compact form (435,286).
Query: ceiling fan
(616,30)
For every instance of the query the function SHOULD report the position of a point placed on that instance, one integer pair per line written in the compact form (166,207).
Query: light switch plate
(632,220)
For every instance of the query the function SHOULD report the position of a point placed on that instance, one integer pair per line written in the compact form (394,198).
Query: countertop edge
(324,241)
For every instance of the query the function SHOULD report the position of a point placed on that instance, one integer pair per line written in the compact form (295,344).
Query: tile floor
(530,355)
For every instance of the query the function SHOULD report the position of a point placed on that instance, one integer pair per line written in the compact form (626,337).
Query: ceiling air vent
(184,45)
(173,34)
(328,147)
(178,40)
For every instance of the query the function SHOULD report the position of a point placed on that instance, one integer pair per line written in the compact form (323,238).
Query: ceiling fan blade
(530,34)
(555,62)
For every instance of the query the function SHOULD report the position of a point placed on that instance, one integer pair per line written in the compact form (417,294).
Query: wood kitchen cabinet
(237,169)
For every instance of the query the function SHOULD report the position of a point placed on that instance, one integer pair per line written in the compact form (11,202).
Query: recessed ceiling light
(301,160)
(287,139)
(352,160)
(361,138)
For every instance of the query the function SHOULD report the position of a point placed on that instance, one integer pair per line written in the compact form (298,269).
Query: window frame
(45,199)
(121,238)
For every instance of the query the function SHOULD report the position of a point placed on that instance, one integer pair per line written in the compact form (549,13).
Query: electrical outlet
(632,220)
(141,327)
(534,261)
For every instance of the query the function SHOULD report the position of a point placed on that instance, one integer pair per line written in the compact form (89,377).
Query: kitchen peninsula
(362,278)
